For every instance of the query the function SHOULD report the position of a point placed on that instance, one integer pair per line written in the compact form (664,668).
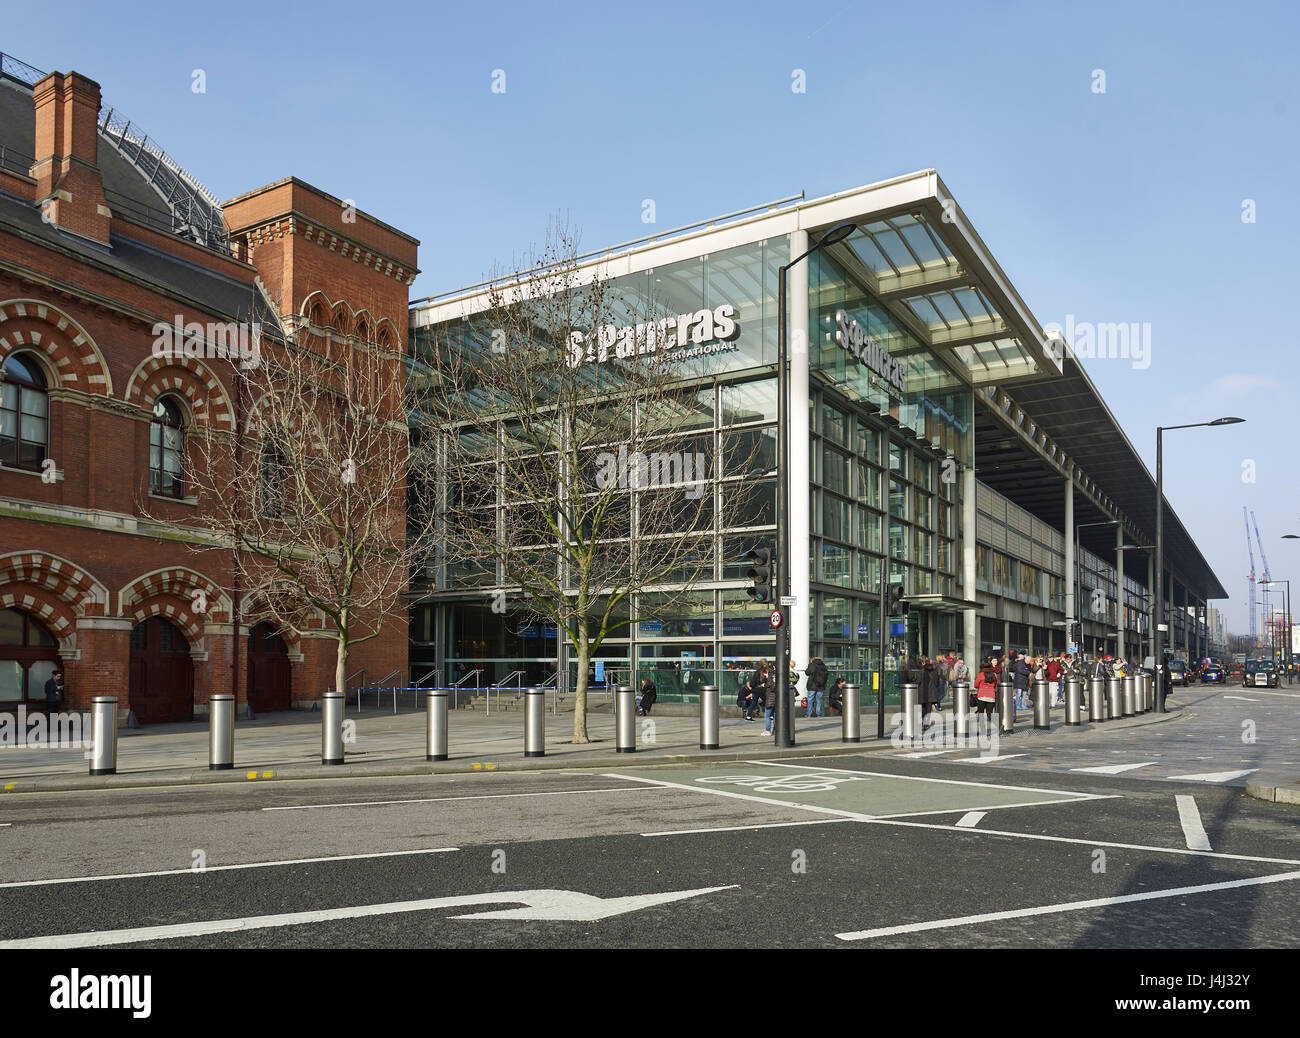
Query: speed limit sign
(775,619)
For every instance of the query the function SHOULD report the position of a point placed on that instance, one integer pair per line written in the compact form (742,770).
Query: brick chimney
(69,186)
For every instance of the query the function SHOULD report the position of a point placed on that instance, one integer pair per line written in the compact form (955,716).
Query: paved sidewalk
(288,746)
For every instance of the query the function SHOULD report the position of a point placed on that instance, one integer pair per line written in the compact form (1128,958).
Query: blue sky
(1122,206)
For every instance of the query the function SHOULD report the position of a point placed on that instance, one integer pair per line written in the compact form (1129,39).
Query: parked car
(1260,674)
(1178,674)
(1234,671)
(1212,672)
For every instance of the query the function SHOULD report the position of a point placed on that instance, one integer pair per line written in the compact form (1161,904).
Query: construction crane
(1254,620)
(1262,557)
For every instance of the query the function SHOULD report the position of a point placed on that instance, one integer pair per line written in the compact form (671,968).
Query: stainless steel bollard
(709,717)
(625,719)
(1097,700)
(103,734)
(850,714)
(1073,701)
(1042,692)
(221,732)
(911,711)
(1007,706)
(1129,698)
(1115,697)
(331,728)
(535,722)
(960,710)
(435,717)
(1144,693)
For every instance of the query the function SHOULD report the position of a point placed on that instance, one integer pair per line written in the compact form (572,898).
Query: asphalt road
(857,851)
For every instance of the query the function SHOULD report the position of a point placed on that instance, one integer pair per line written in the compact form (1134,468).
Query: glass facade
(884,487)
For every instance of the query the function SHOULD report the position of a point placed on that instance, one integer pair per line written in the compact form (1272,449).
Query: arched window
(167,449)
(274,477)
(24,413)
(28,656)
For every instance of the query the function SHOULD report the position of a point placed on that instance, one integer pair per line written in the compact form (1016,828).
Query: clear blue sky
(1116,206)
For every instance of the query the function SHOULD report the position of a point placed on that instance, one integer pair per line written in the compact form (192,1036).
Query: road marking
(1261,692)
(1087,843)
(1213,776)
(743,828)
(986,760)
(1072,906)
(442,800)
(970,819)
(569,905)
(926,753)
(1242,699)
(1115,769)
(224,868)
(1193,830)
(946,782)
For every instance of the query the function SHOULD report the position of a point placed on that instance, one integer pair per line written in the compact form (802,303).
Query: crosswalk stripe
(987,760)
(1193,829)
(1214,776)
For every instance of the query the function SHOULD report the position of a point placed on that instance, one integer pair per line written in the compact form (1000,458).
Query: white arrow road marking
(1116,769)
(1193,830)
(1242,698)
(1214,776)
(970,819)
(986,760)
(1072,906)
(568,905)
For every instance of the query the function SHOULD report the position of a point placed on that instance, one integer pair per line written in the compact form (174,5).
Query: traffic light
(897,604)
(760,575)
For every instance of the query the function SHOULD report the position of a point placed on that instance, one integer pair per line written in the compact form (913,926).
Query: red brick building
(101,238)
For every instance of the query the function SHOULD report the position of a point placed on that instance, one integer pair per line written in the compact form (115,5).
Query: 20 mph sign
(775,619)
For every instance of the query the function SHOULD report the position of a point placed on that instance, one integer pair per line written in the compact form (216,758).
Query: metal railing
(16,161)
(456,687)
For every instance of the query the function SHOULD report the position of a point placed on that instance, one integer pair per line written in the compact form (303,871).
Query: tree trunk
(580,693)
(341,666)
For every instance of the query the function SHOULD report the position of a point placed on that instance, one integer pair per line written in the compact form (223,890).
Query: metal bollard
(1007,706)
(1073,701)
(221,732)
(850,714)
(535,722)
(709,717)
(331,728)
(911,710)
(435,716)
(1144,693)
(1097,700)
(625,719)
(1042,705)
(1129,698)
(103,734)
(960,710)
(1115,697)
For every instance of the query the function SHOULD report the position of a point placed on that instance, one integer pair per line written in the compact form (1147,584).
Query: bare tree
(572,472)
(312,491)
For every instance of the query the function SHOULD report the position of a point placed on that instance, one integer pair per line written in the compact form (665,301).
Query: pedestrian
(928,692)
(941,669)
(1020,678)
(836,697)
(54,691)
(986,690)
(959,672)
(749,699)
(1054,671)
(817,675)
(647,697)
(769,689)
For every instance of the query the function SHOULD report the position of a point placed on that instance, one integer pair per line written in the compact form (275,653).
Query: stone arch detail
(65,344)
(190,378)
(72,585)
(180,583)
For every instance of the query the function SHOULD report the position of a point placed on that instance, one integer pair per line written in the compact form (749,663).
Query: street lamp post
(783,716)
(1158,645)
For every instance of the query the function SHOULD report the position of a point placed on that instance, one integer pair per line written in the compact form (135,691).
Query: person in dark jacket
(54,691)
(817,675)
(750,698)
(836,697)
(1020,677)
(928,692)
(647,697)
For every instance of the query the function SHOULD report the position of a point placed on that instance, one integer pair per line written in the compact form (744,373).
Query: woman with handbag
(986,690)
